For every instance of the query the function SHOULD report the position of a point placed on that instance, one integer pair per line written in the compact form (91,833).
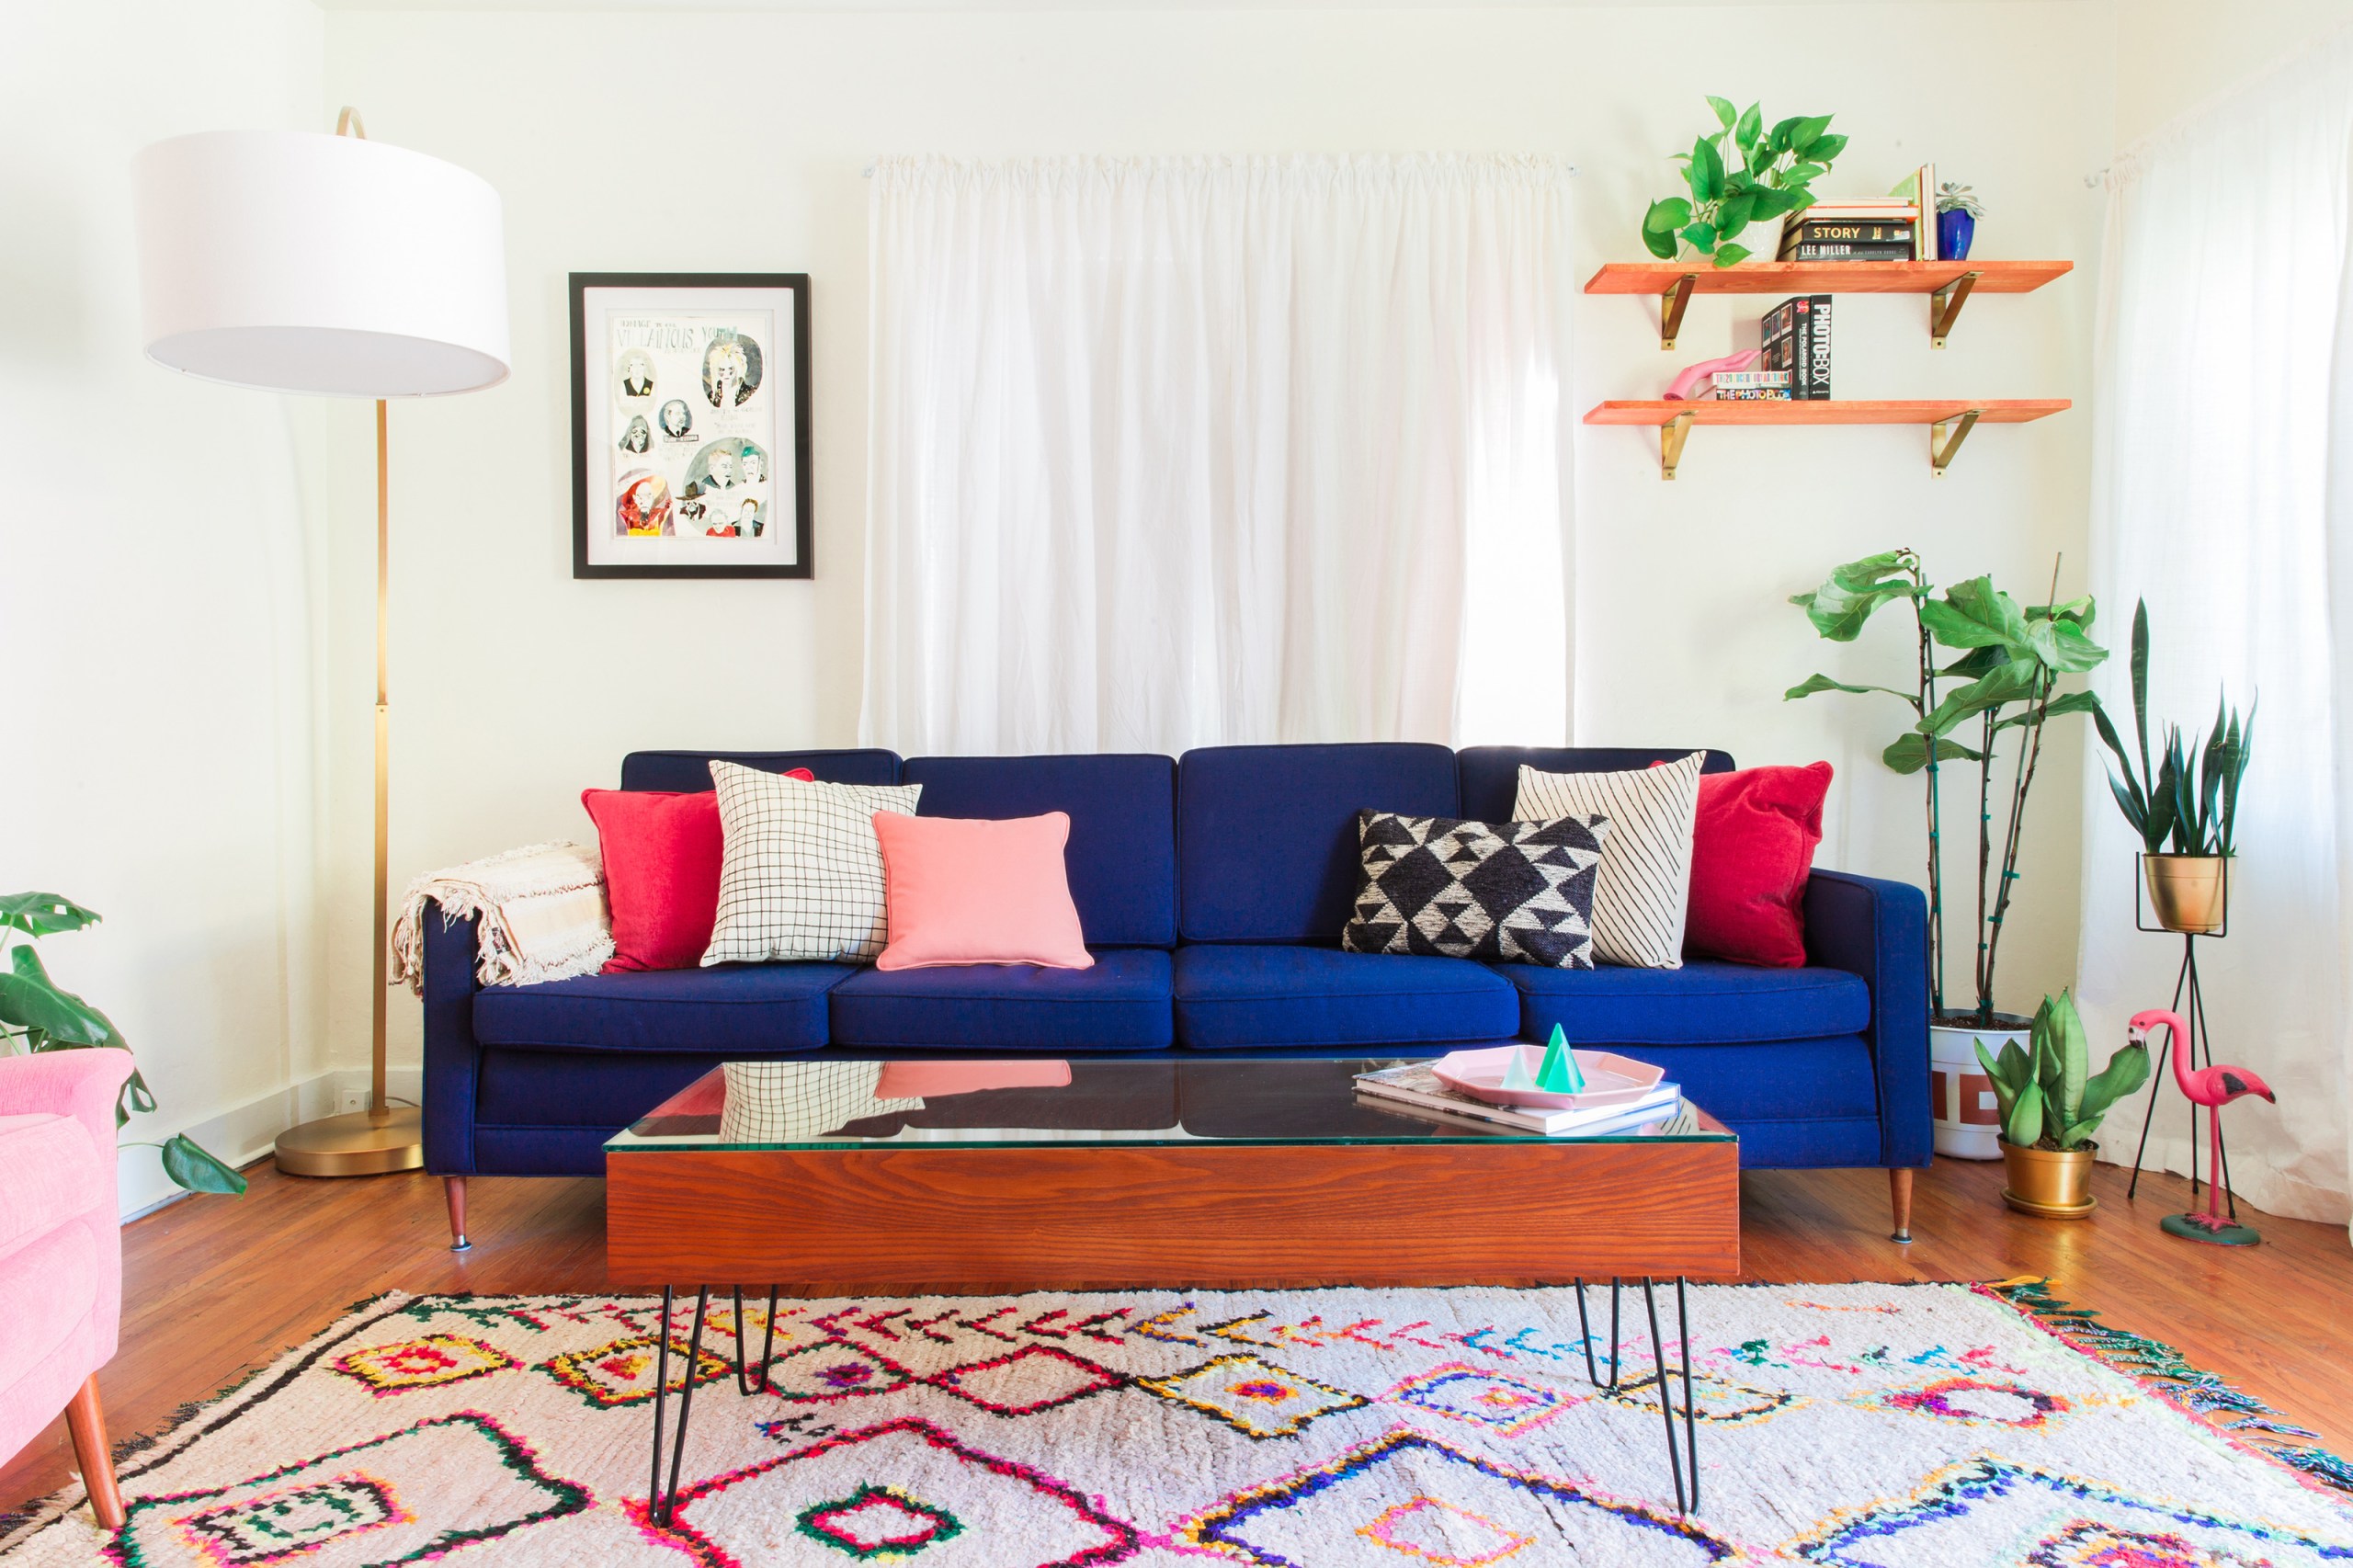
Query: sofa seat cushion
(49,1173)
(723,1009)
(1243,998)
(1704,1002)
(1120,1004)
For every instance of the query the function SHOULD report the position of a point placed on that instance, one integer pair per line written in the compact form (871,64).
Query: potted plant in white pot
(2189,800)
(2051,1103)
(1988,705)
(1742,181)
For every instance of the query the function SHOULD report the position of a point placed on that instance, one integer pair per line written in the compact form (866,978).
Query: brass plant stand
(2184,985)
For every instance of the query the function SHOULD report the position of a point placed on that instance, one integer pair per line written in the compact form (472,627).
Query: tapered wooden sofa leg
(1899,1193)
(87,1423)
(454,1190)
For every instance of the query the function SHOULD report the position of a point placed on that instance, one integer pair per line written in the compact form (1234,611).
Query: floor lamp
(298,262)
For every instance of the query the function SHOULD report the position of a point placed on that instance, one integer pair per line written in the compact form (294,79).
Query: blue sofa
(1211,888)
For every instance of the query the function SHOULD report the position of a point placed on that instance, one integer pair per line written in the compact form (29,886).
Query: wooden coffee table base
(905,1219)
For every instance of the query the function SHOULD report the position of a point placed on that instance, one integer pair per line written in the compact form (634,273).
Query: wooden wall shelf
(1948,283)
(1675,419)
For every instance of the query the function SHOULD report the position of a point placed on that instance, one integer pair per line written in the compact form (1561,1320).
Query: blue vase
(1954,231)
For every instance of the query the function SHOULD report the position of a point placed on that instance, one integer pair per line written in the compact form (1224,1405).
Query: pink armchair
(61,1254)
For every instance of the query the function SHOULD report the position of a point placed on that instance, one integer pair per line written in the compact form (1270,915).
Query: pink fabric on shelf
(60,1242)
(962,891)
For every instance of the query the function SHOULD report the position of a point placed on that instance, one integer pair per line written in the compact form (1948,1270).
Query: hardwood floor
(215,1287)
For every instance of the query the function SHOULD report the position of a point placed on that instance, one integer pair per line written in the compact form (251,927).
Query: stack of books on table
(1747,386)
(1883,228)
(1412,1086)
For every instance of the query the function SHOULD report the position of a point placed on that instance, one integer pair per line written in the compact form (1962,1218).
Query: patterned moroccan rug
(1912,1426)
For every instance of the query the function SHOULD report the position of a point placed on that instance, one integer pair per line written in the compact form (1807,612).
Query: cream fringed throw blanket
(543,912)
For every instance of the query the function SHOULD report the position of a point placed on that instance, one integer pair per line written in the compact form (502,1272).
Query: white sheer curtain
(1177,451)
(2223,442)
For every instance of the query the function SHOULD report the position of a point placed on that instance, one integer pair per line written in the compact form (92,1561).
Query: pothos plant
(2004,684)
(37,1015)
(1740,174)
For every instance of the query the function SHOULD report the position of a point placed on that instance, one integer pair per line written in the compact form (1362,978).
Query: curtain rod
(868,172)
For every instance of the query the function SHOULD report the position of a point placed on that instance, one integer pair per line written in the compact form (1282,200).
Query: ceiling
(674,5)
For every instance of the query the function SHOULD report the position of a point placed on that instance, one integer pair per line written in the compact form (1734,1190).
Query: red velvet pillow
(1752,849)
(662,850)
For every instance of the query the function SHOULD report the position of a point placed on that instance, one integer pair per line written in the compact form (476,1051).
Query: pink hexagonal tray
(1610,1078)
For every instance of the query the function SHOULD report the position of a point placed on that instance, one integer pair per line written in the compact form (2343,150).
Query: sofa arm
(83,1084)
(452,1057)
(1879,930)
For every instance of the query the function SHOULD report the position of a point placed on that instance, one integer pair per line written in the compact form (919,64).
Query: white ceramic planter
(1959,1095)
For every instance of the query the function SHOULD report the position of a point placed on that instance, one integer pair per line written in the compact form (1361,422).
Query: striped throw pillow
(1644,889)
(801,875)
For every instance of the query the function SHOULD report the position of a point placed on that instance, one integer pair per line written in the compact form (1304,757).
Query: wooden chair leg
(454,1190)
(1899,1193)
(87,1423)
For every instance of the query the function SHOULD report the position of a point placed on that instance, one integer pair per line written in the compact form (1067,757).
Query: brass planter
(2052,1184)
(2188,894)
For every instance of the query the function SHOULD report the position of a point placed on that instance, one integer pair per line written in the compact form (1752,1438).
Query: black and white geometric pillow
(1503,892)
(1645,895)
(801,876)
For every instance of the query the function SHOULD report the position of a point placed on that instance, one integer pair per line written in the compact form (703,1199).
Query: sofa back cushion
(1490,775)
(690,770)
(1266,835)
(1122,851)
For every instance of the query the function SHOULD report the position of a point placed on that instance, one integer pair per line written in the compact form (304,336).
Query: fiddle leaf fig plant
(37,1015)
(1739,175)
(2005,685)
(2046,1094)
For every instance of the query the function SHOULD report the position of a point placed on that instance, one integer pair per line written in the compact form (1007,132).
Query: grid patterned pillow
(802,874)
(1504,892)
(1644,893)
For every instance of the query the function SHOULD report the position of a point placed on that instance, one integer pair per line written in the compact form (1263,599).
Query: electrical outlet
(351,1100)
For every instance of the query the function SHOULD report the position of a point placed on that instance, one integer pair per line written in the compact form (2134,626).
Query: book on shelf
(1720,380)
(1808,229)
(1744,394)
(1921,189)
(1415,1084)
(1832,251)
(1796,334)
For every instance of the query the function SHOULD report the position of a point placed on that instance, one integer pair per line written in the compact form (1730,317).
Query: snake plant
(2048,1094)
(2187,796)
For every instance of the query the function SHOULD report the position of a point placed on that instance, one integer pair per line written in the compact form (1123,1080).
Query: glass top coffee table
(840,1177)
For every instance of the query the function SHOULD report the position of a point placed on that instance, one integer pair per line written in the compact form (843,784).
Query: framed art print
(690,425)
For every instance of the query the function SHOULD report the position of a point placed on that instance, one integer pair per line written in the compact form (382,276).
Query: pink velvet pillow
(662,850)
(1752,850)
(962,890)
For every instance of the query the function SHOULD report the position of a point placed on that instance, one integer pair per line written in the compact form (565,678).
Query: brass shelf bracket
(1944,307)
(1671,436)
(1670,308)
(1940,447)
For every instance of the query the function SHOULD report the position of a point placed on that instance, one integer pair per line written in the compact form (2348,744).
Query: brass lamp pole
(300,262)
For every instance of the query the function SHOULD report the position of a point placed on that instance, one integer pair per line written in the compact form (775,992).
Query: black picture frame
(585,500)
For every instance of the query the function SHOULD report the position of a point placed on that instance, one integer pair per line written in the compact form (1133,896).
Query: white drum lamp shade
(307,263)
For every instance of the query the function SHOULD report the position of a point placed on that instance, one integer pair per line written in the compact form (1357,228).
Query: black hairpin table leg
(1677,1455)
(663,1503)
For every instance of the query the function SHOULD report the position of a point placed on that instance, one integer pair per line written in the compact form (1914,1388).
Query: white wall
(155,580)
(2171,55)
(704,142)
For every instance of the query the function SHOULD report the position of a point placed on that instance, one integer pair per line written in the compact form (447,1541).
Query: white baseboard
(245,1133)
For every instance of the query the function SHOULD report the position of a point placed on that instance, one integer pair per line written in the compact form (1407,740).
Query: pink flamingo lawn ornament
(2212,1087)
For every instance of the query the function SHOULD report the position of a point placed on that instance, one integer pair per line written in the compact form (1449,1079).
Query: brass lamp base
(357,1143)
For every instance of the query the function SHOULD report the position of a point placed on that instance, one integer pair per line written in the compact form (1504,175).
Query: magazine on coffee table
(1414,1084)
